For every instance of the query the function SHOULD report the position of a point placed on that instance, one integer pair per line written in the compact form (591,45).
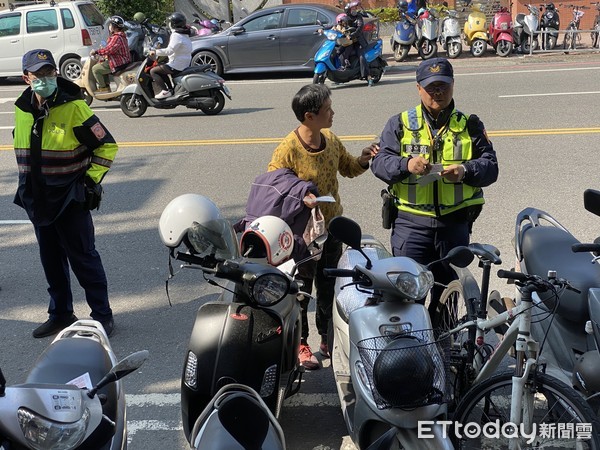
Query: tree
(155,10)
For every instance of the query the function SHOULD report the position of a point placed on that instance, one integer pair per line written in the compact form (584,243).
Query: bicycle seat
(549,248)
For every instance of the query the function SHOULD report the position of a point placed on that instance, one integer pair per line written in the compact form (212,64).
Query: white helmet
(268,237)
(196,221)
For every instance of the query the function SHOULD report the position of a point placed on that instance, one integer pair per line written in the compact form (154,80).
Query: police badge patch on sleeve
(98,131)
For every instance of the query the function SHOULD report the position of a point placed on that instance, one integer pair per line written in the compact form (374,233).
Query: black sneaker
(53,326)
(109,326)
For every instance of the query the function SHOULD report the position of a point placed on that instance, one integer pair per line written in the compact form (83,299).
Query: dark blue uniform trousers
(70,240)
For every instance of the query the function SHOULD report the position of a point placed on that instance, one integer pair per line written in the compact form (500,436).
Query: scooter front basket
(407,370)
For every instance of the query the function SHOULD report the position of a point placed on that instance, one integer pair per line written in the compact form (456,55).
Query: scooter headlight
(41,433)
(270,288)
(413,287)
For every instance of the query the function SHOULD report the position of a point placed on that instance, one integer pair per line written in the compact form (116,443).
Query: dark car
(280,38)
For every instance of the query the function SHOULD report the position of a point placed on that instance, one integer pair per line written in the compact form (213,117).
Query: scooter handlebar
(340,273)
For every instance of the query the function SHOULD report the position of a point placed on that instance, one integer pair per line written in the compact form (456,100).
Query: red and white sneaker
(307,359)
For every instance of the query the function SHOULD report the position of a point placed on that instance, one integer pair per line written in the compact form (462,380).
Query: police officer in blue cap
(63,152)
(435,160)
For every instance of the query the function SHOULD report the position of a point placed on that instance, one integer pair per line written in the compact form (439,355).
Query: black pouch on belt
(389,211)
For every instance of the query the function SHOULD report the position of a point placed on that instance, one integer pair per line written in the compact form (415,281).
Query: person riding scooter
(345,45)
(360,45)
(179,52)
(116,54)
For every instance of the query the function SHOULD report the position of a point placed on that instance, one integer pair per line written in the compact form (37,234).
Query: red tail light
(85,37)
(369,27)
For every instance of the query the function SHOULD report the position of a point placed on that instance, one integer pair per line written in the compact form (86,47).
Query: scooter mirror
(591,201)
(346,230)
(124,367)
(318,243)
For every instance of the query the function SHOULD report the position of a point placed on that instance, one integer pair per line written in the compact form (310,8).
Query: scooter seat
(350,299)
(549,248)
(520,19)
(194,69)
(69,358)
(127,68)
(238,424)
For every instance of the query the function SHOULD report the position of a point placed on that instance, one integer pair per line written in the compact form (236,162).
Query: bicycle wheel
(456,302)
(559,414)
(567,41)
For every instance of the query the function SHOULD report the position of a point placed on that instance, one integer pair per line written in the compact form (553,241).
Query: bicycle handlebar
(577,248)
(512,275)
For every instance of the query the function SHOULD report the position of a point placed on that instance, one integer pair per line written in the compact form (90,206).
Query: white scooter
(389,368)
(72,398)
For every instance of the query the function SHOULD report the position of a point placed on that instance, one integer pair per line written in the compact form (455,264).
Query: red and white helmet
(268,237)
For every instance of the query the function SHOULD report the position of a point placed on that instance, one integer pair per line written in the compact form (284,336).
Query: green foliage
(385,14)
(155,10)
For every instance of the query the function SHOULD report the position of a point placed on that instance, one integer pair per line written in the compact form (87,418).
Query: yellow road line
(349,138)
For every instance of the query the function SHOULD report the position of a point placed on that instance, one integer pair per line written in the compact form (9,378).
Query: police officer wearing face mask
(63,152)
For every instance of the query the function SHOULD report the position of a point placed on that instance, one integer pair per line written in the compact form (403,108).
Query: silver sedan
(276,39)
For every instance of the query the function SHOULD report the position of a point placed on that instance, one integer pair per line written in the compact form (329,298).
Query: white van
(70,30)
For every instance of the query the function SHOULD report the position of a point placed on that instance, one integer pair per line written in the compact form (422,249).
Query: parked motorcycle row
(539,28)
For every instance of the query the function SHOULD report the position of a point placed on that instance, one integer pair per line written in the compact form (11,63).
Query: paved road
(541,114)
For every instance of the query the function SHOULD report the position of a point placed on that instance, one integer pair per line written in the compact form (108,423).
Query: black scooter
(549,26)
(567,325)
(250,335)
(196,87)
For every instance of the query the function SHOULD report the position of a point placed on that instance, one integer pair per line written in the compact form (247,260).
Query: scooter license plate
(226,90)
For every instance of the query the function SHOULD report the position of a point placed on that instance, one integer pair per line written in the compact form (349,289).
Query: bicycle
(525,395)
(572,35)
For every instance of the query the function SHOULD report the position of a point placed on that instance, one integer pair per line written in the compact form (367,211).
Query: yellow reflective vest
(452,145)
(55,149)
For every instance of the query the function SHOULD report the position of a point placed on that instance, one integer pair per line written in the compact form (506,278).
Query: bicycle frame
(527,350)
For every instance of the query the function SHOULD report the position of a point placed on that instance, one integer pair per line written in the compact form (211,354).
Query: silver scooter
(525,28)
(389,368)
(450,39)
(72,398)
(237,418)
(569,326)
(196,87)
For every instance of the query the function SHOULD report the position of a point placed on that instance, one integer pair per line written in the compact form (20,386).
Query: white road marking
(173,400)
(14,222)
(7,128)
(8,100)
(300,399)
(548,94)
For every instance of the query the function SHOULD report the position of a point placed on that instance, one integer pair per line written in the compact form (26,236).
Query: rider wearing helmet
(115,53)
(344,49)
(360,44)
(270,238)
(139,17)
(196,222)
(179,52)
